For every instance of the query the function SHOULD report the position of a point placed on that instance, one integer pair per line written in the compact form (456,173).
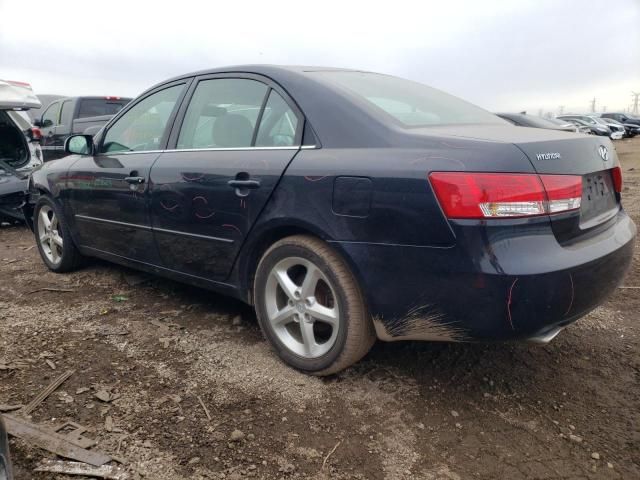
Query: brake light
(496,195)
(564,192)
(616,173)
(112,98)
(36,134)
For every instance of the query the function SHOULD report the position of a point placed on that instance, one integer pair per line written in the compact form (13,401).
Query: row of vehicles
(612,125)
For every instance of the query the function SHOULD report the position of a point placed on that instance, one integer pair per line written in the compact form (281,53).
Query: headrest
(232,130)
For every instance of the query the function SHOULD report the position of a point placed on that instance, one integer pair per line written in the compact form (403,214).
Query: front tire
(53,238)
(310,306)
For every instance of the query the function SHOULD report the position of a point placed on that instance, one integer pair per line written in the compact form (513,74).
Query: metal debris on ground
(53,442)
(9,408)
(108,472)
(73,433)
(52,387)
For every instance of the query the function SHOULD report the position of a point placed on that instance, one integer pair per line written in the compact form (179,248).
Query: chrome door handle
(134,180)
(244,183)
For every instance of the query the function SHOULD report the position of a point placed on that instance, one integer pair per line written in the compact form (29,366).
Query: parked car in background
(596,128)
(525,120)
(630,129)
(624,118)
(617,131)
(5,461)
(368,213)
(45,100)
(580,128)
(20,150)
(72,115)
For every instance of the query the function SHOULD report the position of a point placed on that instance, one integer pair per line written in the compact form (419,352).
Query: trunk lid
(563,153)
(17,96)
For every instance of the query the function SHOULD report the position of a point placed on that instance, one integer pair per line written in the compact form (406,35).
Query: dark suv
(622,118)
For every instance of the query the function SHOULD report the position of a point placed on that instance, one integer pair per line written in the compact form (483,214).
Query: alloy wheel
(302,307)
(49,234)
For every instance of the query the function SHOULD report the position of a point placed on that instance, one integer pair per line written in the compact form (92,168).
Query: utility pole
(561,109)
(604,108)
(593,105)
(635,96)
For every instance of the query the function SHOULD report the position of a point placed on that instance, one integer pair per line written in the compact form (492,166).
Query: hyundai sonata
(344,206)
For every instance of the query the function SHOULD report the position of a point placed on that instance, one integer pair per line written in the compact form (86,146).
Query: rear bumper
(495,283)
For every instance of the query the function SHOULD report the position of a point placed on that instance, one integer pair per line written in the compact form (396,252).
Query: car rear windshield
(95,107)
(410,103)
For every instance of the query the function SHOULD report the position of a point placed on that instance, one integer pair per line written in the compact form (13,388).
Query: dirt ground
(567,410)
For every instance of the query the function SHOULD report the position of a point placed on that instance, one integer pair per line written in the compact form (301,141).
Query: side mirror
(37,122)
(79,144)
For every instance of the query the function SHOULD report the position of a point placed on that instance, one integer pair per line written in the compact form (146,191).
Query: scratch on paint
(228,225)
(314,178)
(170,209)
(192,177)
(509,303)
(572,295)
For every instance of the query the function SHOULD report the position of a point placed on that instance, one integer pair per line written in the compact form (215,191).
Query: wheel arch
(260,240)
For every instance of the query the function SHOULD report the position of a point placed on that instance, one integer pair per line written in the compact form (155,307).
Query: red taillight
(112,98)
(495,195)
(564,192)
(36,134)
(616,173)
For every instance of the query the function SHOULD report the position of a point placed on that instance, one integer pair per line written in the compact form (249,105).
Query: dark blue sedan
(345,206)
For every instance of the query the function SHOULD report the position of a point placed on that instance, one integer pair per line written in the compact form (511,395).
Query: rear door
(229,147)
(109,191)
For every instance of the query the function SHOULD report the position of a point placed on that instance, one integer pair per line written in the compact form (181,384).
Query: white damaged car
(20,150)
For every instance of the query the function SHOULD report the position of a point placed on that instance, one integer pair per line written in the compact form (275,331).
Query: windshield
(410,103)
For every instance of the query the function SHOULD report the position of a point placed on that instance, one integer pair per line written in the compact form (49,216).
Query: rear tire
(56,247)
(310,307)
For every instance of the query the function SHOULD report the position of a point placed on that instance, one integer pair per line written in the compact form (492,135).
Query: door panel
(199,220)
(111,214)
(109,191)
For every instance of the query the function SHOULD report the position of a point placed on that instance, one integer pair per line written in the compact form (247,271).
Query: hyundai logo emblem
(604,153)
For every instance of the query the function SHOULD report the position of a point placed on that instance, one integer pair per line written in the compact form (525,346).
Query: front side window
(50,116)
(409,103)
(222,114)
(142,127)
(278,125)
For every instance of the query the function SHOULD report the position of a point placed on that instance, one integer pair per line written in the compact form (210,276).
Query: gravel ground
(409,410)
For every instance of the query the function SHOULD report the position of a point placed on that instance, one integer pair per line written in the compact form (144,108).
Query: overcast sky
(501,55)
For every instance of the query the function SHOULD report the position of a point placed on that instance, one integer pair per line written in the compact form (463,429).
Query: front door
(109,191)
(236,139)
(49,123)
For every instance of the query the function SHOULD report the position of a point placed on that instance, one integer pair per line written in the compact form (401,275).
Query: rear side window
(222,114)
(278,125)
(142,127)
(95,107)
